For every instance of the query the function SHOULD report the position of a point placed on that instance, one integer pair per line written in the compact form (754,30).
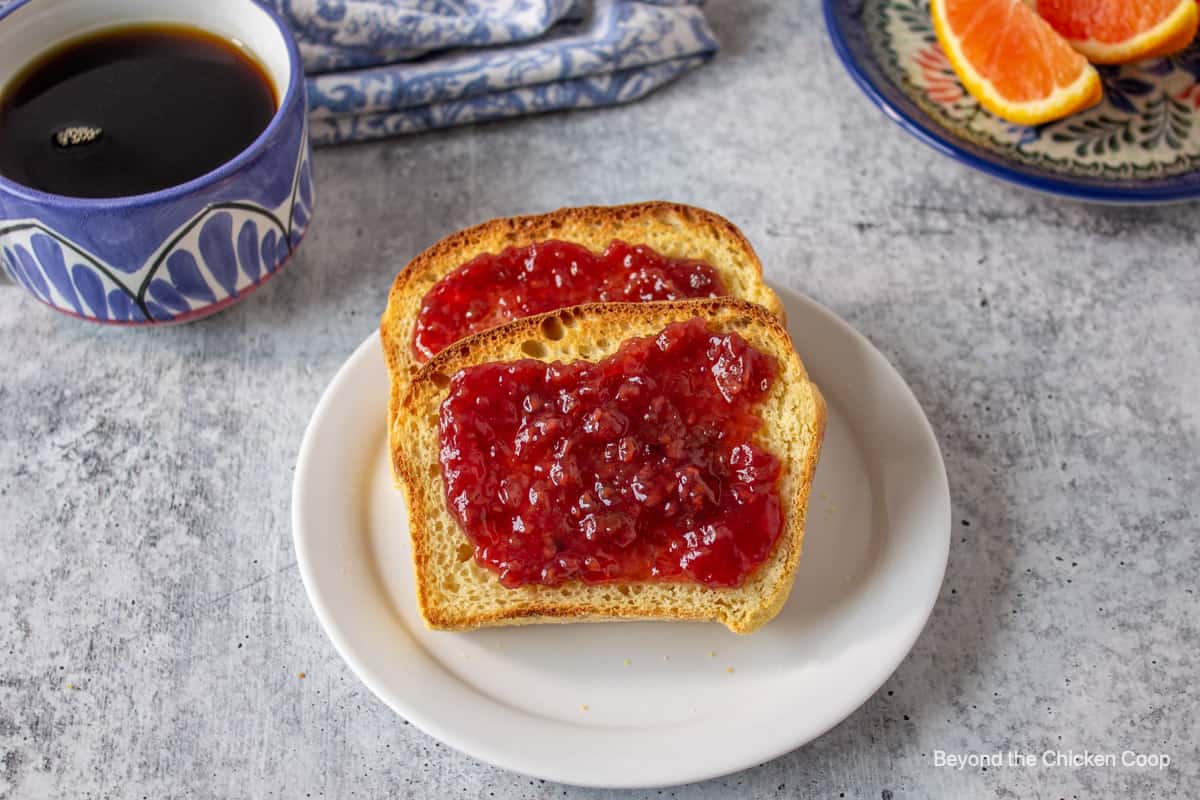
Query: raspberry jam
(641,466)
(491,289)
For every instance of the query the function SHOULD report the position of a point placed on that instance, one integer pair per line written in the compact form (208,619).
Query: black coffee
(131,110)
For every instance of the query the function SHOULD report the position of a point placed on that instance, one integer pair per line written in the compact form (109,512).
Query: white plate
(641,704)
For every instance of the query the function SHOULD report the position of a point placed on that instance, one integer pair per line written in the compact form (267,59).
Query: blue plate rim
(923,129)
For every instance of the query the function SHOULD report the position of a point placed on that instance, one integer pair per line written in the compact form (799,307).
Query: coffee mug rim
(230,167)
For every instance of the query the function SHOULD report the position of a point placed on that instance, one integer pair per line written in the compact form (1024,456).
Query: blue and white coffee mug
(186,251)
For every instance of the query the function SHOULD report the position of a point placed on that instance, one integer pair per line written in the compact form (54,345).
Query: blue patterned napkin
(383,67)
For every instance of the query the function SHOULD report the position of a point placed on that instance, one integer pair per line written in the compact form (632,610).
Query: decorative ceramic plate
(1141,144)
(641,704)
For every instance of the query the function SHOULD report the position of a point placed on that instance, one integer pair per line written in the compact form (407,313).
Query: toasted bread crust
(677,229)
(596,330)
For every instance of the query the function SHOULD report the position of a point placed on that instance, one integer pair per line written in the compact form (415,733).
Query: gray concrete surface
(152,621)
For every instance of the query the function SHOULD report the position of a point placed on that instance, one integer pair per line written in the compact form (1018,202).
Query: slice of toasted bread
(456,593)
(673,230)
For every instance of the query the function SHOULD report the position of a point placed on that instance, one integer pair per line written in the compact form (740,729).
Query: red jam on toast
(638,467)
(492,289)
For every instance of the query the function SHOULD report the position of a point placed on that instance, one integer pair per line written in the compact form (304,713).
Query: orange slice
(1118,31)
(1013,62)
